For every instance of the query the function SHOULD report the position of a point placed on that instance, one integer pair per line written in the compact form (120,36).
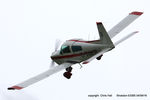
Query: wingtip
(136,13)
(136,32)
(15,88)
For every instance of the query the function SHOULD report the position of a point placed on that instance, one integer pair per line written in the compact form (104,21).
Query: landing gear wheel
(67,75)
(99,58)
(69,69)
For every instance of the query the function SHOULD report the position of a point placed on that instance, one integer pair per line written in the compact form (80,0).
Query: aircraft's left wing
(40,76)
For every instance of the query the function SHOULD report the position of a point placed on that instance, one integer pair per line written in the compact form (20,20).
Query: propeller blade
(57,44)
(52,64)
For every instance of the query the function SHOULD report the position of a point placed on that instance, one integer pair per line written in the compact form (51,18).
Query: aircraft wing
(124,23)
(95,56)
(40,76)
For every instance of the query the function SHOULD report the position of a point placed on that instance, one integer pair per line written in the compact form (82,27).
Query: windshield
(65,49)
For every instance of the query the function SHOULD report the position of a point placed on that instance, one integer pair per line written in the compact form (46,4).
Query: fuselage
(76,51)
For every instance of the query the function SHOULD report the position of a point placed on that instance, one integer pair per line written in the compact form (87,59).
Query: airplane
(78,51)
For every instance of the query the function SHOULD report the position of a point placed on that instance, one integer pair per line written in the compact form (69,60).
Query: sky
(29,29)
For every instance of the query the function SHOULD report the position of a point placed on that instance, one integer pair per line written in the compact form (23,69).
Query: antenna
(80,65)
(88,36)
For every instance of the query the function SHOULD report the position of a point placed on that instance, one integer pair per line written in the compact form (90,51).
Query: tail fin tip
(98,22)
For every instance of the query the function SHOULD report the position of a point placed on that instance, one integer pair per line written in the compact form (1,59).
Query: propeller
(52,64)
(57,44)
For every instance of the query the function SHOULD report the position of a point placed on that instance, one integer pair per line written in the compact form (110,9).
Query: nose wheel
(68,73)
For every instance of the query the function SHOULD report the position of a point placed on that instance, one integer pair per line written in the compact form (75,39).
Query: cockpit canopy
(65,49)
(69,49)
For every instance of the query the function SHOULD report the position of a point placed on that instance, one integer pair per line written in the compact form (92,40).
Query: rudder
(104,37)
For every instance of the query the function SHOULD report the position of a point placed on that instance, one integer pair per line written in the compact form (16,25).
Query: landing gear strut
(68,73)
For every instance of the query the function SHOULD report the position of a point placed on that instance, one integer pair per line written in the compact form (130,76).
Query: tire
(67,75)
(69,69)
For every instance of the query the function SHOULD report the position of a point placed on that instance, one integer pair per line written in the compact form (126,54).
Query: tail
(125,38)
(104,37)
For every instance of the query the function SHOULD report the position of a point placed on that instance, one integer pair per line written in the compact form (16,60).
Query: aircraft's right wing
(40,76)
(124,23)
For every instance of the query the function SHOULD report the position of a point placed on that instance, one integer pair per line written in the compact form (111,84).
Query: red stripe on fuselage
(73,55)
(84,41)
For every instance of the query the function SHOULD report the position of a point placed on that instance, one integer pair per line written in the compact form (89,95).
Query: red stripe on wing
(15,88)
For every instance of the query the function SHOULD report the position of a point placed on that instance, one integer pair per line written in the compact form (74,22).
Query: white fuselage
(79,51)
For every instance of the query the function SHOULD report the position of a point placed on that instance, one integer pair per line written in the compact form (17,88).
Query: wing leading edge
(40,76)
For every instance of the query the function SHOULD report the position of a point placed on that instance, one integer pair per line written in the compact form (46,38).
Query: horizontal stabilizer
(125,38)
(124,23)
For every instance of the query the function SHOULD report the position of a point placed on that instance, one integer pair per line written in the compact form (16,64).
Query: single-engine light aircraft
(78,51)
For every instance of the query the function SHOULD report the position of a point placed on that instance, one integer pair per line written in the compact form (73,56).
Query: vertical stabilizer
(104,37)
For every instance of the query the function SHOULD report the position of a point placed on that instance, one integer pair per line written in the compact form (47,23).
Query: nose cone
(51,57)
(54,54)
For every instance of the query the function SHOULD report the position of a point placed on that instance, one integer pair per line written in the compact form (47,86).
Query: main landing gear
(68,73)
(99,58)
